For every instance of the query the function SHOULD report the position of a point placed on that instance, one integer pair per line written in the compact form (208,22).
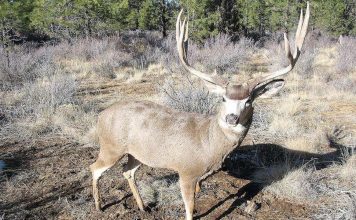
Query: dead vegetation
(299,151)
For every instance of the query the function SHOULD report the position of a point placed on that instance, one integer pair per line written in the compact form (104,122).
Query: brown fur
(188,143)
(237,92)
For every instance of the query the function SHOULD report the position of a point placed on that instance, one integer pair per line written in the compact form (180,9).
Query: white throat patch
(234,128)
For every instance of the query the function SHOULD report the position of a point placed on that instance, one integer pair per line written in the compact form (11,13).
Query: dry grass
(74,122)
(348,171)
(338,192)
(39,99)
(295,186)
(29,110)
(346,57)
(161,192)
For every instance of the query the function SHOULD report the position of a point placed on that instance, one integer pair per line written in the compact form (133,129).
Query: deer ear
(214,88)
(268,90)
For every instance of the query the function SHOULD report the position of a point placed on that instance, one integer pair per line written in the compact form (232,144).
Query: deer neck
(223,139)
(236,133)
(221,142)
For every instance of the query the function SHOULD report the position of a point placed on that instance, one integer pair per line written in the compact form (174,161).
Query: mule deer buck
(190,144)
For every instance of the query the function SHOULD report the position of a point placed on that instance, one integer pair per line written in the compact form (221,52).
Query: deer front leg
(97,169)
(187,186)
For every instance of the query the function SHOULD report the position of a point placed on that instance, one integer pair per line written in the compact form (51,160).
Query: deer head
(238,96)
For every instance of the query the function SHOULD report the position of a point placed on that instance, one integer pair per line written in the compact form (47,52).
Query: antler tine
(181,39)
(182,47)
(178,25)
(304,28)
(299,39)
(186,31)
(185,38)
(287,48)
(299,28)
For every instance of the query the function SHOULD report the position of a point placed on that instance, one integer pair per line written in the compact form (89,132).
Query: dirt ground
(61,185)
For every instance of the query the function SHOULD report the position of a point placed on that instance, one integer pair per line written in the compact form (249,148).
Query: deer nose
(232,119)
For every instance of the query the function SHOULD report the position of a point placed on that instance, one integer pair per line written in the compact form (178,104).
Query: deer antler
(182,46)
(299,39)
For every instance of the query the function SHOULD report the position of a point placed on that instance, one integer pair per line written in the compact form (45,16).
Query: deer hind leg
(105,161)
(129,173)
(188,185)
(197,187)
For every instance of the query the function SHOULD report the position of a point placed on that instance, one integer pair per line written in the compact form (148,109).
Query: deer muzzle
(232,119)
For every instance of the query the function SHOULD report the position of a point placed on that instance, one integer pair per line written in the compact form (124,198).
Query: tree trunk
(163,18)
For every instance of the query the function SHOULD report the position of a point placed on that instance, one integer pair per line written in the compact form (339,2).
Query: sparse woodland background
(62,62)
(70,19)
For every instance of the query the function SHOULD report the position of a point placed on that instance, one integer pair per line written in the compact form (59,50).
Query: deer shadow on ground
(245,161)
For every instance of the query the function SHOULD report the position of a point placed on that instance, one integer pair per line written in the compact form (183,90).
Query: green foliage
(230,17)
(204,18)
(330,16)
(13,17)
(65,19)
(254,16)
(149,15)
(283,14)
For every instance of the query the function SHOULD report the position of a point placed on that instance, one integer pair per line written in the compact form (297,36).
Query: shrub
(313,42)
(23,65)
(146,47)
(47,94)
(343,84)
(222,54)
(32,111)
(134,48)
(218,53)
(346,59)
(188,96)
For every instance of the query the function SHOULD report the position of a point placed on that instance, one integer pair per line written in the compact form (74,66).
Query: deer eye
(223,99)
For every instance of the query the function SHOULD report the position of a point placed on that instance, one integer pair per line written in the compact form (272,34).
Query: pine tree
(67,19)
(230,17)
(134,13)
(329,15)
(149,15)
(204,18)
